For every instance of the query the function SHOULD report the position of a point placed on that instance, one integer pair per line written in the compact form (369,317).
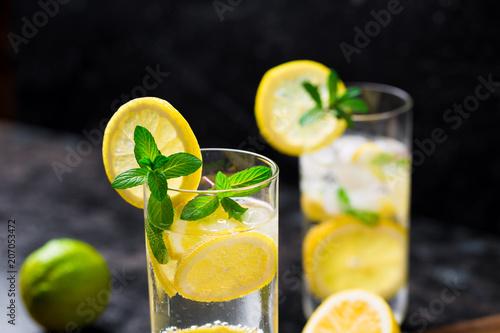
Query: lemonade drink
(221,275)
(211,221)
(355,197)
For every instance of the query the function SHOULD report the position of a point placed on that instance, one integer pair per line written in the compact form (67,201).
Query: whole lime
(65,284)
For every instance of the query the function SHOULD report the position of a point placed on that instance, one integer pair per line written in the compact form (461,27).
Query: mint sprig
(204,205)
(365,216)
(155,170)
(340,106)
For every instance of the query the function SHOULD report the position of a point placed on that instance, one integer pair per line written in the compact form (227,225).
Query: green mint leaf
(367,217)
(157,184)
(333,79)
(203,206)
(354,105)
(159,162)
(181,164)
(343,199)
(314,93)
(249,177)
(340,107)
(382,159)
(350,93)
(222,183)
(342,114)
(160,213)
(311,115)
(130,178)
(145,146)
(403,162)
(233,209)
(200,207)
(156,243)
(145,163)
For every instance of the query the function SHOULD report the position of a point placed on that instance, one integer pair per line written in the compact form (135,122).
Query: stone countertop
(54,185)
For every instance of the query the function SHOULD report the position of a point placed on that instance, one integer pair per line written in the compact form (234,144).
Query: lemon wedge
(171,132)
(281,100)
(353,311)
(226,267)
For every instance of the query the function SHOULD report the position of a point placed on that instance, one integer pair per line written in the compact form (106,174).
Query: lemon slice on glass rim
(281,100)
(171,132)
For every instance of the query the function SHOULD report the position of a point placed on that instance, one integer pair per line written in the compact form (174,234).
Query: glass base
(399,303)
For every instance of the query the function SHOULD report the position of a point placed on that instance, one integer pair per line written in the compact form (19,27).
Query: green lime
(65,284)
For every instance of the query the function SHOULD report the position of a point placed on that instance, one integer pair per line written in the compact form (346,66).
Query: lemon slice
(172,135)
(366,153)
(281,101)
(344,253)
(353,311)
(214,328)
(312,208)
(185,234)
(179,242)
(164,273)
(226,267)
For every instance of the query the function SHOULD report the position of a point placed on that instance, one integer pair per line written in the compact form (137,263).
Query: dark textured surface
(454,271)
(86,59)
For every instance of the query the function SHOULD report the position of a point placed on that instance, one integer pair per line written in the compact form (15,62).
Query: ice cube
(391,146)
(367,199)
(352,177)
(345,147)
(330,200)
(256,215)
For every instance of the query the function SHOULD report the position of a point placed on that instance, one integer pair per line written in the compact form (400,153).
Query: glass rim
(388,89)
(267,160)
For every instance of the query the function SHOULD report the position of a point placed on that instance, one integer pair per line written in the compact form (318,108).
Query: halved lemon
(353,311)
(281,100)
(171,133)
(227,267)
(343,253)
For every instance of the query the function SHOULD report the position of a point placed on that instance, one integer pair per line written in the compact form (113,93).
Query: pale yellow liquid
(254,312)
(381,188)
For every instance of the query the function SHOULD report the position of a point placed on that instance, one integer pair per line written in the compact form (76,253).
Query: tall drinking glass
(221,273)
(355,198)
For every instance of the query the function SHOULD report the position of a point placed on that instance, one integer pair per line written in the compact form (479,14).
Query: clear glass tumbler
(355,197)
(220,271)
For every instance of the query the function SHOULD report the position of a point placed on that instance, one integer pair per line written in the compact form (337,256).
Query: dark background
(69,75)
